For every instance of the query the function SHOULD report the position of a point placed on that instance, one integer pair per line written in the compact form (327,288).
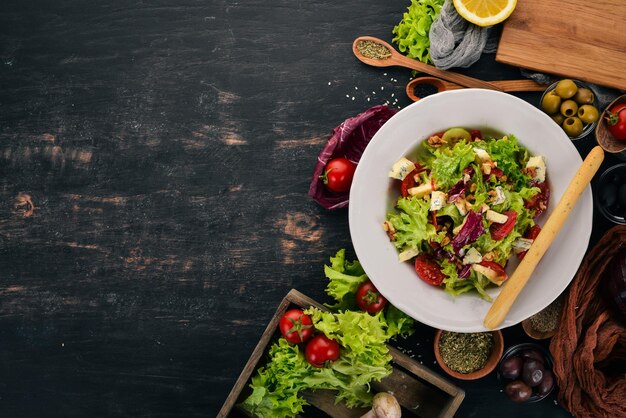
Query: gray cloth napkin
(455,42)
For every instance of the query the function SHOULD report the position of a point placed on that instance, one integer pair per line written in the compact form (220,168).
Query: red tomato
(539,202)
(428,270)
(499,231)
(295,326)
(532,233)
(616,121)
(369,299)
(476,134)
(500,271)
(338,175)
(321,350)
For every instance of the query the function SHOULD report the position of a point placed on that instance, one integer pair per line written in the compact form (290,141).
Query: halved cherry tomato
(499,231)
(338,175)
(500,271)
(539,202)
(428,270)
(369,299)
(532,233)
(321,350)
(296,326)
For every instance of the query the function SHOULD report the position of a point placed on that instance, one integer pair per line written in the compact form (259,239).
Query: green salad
(467,203)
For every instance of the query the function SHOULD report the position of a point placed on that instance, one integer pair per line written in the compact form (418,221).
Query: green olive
(558,118)
(569,108)
(584,96)
(566,89)
(588,113)
(551,102)
(573,127)
(456,134)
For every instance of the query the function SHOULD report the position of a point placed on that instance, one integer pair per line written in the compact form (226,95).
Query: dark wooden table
(155,158)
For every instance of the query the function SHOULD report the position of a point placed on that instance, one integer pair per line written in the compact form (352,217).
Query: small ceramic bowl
(492,361)
(604,137)
(587,128)
(517,350)
(610,194)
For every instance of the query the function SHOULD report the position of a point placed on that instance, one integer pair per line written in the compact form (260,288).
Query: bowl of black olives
(571,104)
(611,194)
(526,372)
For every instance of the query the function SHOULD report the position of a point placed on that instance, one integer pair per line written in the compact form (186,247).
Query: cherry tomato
(616,121)
(369,299)
(500,271)
(296,326)
(532,233)
(499,231)
(428,270)
(321,350)
(539,202)
(338,175)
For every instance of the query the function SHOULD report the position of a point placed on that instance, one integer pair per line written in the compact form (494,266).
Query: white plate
(372,190)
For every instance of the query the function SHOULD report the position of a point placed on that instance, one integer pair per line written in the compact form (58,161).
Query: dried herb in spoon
(373,50)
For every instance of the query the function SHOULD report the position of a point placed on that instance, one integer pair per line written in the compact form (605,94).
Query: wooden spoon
(397,59)
(442,85)
(517,281)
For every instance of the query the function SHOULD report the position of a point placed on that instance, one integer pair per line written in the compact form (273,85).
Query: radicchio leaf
(471,230)
(456,191)
(464,271)
(347,140)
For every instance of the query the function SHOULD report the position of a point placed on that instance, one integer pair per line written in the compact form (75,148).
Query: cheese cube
(460,205)
(500,196)
(401,168)
(490,274)
(539,164)
(406,255)
(522,244)
(482,154)
(421,190)
(437,199)
(496,217)
(472,256)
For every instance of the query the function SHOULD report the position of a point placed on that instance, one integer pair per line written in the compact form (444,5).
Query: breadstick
(520,276)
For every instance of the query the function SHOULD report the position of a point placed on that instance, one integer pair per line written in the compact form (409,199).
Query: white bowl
(372,190)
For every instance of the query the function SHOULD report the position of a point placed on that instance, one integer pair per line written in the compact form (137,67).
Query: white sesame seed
(347,95)
(382,88)
(356,88)
(392,94)
(384,73)
(352,97)
(368,99)
(329,83)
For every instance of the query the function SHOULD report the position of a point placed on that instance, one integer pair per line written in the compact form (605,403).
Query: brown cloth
(589,347)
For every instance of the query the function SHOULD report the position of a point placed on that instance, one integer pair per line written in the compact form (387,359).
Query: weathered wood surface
(154,163)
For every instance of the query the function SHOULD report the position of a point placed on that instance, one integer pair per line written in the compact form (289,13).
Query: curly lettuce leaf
(275,387)
(411,223)
(510,156)
(411,34)
(448,163)
(345,277)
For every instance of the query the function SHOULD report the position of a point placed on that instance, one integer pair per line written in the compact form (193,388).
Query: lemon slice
(485,12)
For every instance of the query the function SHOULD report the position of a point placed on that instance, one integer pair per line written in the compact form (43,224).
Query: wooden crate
(419,391)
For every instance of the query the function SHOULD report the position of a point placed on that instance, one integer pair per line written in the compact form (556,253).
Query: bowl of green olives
(571,104)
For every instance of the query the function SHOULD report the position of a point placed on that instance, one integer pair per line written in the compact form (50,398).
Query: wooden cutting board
(581,39)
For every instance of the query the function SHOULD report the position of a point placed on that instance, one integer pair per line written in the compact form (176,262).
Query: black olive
(532,355)
(518,391)
(546,384)
(532,372)
(511,368)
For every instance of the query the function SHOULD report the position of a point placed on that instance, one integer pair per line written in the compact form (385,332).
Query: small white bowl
(373,192)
